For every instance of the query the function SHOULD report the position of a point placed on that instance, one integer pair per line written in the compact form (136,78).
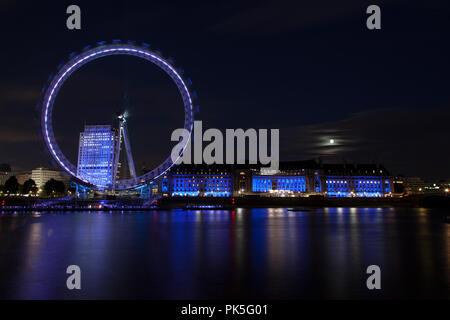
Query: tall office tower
(96,155)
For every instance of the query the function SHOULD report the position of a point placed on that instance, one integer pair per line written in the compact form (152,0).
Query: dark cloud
(22,94)
(401,139)
(274,16)
(16,122)
(12,134)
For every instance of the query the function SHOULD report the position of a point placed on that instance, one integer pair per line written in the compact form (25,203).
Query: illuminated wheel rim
(75,63)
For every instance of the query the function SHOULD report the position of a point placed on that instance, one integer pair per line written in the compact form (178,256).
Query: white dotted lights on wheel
(77,62)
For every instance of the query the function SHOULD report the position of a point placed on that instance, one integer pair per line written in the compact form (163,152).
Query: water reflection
(245,253)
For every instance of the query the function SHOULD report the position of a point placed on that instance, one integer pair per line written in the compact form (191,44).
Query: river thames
(315,253)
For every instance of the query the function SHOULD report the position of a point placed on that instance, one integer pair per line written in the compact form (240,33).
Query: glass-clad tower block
(96,155)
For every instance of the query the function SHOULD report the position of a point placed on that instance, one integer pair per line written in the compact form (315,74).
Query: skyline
(225,158)
(381,96)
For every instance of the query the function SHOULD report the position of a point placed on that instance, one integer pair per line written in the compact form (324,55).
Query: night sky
(310,68)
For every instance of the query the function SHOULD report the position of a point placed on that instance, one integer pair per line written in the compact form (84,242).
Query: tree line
(51,188)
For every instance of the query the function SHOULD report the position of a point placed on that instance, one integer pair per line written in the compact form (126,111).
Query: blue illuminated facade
(96,155)
(261,184)
(317,183)
(165,184)
(358,186)
(288,184)
(201,181)
(356,180)
(296,178)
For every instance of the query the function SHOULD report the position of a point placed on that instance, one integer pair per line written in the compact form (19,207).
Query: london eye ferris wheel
(76,61)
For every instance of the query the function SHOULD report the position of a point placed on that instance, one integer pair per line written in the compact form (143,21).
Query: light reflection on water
(210,254)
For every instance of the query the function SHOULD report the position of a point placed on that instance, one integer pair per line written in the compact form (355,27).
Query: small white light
(331,141)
